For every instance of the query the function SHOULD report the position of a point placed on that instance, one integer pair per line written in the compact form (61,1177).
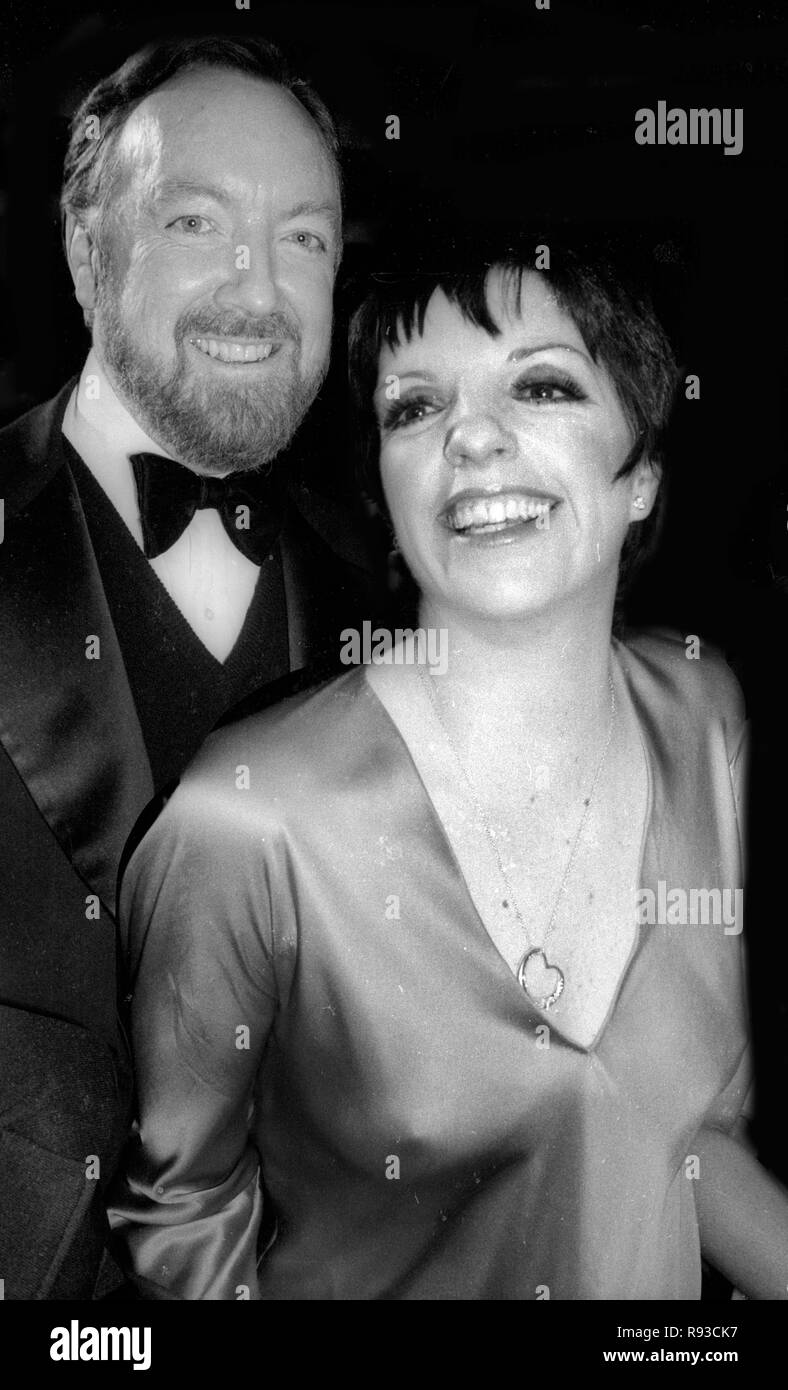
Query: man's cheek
(159,270)
(137,309)
(316,324)
(151,305)
(309,289)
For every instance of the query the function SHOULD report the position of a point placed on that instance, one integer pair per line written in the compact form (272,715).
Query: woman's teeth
(494,511)
(228,351)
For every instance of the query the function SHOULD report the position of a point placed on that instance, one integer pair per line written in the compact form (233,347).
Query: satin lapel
(68,722)
(330,576)
(296,573)
(316,604)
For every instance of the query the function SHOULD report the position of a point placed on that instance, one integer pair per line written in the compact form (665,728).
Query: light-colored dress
(327,1040)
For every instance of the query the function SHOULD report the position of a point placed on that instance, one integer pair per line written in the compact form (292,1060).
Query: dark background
(507,112)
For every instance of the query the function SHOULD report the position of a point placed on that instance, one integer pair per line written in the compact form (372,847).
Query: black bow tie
(249,505)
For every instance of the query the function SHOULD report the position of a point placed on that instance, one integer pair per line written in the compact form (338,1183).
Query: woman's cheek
(403,490)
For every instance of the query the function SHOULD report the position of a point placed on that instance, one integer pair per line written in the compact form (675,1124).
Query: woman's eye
(547,390)
(192,223)
(408,412)
(310,241)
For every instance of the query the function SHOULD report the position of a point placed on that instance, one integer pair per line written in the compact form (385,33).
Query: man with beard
(158,565)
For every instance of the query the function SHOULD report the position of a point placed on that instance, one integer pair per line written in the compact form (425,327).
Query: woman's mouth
(482,514)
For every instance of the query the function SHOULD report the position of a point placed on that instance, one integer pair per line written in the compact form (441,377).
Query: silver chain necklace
(541,980)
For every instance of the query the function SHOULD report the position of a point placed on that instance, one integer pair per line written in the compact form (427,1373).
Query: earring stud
(639,502)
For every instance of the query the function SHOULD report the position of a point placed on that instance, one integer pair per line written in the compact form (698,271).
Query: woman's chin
(500,584)
(506,585)
(496,603)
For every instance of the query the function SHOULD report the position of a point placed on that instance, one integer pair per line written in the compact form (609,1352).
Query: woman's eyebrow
(515,356)
(423,375)
(519,353)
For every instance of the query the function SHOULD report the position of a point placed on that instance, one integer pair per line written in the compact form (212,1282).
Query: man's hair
(611,309)
(90,163)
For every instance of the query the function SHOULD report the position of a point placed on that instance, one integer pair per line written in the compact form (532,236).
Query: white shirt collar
(210,581)
(104,434)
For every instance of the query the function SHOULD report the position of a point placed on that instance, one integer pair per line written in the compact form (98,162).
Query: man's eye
(310,241)
(409,412)
(192,223)
(547,390)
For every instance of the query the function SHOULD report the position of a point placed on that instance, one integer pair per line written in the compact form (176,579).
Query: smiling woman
(555,336)
(466,1069)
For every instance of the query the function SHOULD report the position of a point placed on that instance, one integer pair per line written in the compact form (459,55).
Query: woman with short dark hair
(420,970)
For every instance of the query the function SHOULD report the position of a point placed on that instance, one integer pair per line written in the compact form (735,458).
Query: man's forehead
(225,126)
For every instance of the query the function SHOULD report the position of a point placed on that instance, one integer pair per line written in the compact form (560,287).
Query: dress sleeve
(195,900)
(741,1091)
(733,1108)
(739,765)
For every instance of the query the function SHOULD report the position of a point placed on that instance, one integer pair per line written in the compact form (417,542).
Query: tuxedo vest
(180,689)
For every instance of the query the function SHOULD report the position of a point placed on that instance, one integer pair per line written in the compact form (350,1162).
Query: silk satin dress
(329,1046)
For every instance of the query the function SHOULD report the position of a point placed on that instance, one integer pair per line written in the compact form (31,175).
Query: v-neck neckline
(525,1002)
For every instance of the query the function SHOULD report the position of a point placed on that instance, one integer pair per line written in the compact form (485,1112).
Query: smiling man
(162,560)
(213,320)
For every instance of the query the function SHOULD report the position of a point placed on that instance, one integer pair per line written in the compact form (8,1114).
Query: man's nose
(252,283)
(479,437)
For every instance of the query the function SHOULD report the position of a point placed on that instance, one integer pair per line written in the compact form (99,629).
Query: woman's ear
(644,481)
(82,257)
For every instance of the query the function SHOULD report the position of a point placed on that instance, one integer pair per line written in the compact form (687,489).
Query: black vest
(180,689)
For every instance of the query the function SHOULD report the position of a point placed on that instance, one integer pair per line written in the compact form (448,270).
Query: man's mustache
(275,325)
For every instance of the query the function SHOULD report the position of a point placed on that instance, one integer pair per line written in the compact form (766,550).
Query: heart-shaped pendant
(542,982)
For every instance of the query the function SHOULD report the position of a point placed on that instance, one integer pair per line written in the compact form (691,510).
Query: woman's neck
(535,693)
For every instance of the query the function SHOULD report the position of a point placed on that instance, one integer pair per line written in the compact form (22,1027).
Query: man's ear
(644,481)
(82,257)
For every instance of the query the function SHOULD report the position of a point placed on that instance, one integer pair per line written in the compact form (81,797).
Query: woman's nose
(478,439)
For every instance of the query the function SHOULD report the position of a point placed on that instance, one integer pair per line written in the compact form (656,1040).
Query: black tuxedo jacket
(74,778)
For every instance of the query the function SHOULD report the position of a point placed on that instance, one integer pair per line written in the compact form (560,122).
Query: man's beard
(214,427)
